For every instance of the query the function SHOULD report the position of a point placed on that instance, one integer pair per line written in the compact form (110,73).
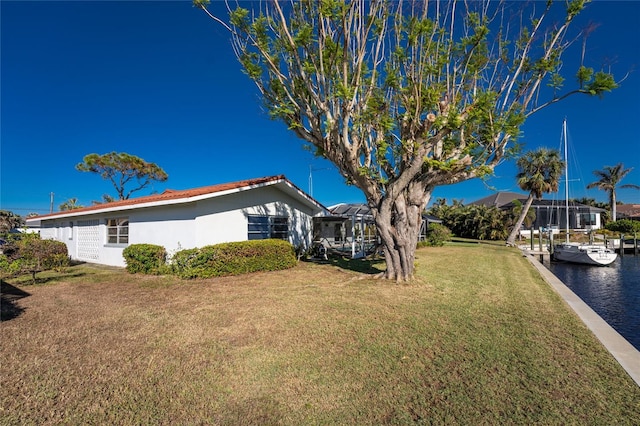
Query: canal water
(613,291)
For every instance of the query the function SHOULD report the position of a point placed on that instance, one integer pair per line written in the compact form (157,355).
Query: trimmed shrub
(624,226)
(437,235)
(31,254)
(145,258)
(234,259)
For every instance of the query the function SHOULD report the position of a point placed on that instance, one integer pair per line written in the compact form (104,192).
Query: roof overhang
(280,182)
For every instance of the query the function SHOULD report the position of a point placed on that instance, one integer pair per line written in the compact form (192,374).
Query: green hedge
(145,258)
(233,259)
(625,226)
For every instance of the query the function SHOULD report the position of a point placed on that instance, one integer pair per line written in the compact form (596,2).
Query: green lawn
(477,338)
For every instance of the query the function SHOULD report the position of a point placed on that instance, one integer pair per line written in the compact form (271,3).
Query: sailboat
(588,254)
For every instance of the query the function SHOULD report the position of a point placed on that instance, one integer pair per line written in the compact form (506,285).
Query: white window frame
(117,231)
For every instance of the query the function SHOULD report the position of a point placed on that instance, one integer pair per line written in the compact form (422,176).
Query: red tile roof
(629,210)
(171,194)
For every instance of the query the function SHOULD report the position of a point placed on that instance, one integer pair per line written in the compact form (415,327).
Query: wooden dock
(625,245)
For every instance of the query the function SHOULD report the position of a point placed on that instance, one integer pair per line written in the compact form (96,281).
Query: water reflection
(612,291)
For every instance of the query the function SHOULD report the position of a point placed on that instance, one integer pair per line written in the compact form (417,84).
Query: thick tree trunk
(398,225)
(511,241)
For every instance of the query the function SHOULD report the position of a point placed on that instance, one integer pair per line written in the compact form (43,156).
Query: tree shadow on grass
(44,277)
(9,296)
(371,266)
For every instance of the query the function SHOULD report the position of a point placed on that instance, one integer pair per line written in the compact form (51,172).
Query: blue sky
(159,80)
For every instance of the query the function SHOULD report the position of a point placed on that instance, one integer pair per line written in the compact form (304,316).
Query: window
(118,230)
(588,218)
(263,227)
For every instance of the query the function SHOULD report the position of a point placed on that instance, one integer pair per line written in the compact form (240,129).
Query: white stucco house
(269,207)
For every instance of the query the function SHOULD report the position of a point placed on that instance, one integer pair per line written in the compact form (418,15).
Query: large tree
(121,169)
(403,96)
(539,172)
(609,181)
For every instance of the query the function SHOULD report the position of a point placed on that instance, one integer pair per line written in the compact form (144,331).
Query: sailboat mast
(566,178)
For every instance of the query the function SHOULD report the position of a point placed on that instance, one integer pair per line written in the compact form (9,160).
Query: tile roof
(186,194)
(628,210)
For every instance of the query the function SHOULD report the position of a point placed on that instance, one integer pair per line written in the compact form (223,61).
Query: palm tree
(539,172)
(516,211)
(106,198)
(70,204)
(609,181)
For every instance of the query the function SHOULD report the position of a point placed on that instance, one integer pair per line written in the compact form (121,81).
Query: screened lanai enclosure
(350,230)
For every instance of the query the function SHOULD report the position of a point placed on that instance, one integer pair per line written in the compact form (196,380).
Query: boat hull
(584,253)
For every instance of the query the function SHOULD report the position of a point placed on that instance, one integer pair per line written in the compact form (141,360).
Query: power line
(24,209)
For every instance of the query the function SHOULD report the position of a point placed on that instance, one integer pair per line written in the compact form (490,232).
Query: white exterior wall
(224,219)
(181,226)
(169,226)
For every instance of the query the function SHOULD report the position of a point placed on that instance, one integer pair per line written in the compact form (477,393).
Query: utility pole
(51,202)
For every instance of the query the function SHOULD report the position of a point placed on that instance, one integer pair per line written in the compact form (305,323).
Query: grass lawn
(478,338)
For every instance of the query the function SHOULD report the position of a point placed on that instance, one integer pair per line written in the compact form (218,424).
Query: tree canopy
(403,96)
(9,221)
(121,169)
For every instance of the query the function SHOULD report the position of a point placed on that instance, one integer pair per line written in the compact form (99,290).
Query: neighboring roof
(171,196)
(499,199)
(505,200)
(628,210)
(432,219)
(560,204)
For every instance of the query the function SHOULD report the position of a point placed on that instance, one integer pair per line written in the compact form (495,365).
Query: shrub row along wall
(212,261)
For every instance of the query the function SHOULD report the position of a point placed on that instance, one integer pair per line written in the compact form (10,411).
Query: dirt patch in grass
(477,338)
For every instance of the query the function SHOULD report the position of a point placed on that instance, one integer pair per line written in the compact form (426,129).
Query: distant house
(549,213)
(628,211)
(270,207)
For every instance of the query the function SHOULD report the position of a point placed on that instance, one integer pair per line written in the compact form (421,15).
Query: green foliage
(70,204)
(595,84)
(539,171)
(321,71)
(31,254)
(472,221)
(624,226)
(144,258)
(234,258)
(121,168)
(437,235)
